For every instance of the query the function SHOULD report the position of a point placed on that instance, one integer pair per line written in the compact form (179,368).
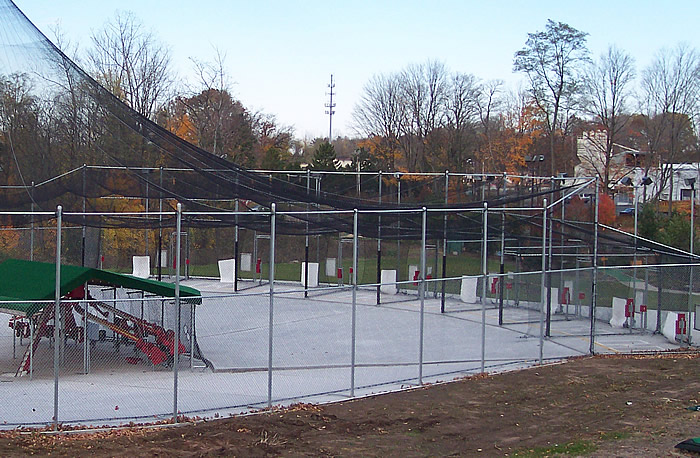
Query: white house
(590,149)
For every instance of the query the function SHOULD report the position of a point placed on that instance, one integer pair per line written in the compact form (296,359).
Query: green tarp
(36,281)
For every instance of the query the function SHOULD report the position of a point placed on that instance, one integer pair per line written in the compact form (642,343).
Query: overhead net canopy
(55,118)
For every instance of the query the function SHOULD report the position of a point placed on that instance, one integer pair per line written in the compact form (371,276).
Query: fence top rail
(153,214)
(27,213)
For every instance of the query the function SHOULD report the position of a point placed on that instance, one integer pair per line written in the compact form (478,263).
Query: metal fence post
(86,343)
(192,335)
(306,237)
(272,304)
(235,249)
(502,268)
(548,327)
(379,242)
(424,226)
(444,242)
(354,304)
(176,344)
(56,313)
(31,232)
(484,271)
(543,293)
(594,286)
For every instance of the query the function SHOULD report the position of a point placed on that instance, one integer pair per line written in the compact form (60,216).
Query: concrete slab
(312,352)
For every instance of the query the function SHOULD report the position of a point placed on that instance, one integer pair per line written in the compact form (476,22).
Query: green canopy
(36,281)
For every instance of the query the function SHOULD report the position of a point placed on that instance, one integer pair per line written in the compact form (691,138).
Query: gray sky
(280,53)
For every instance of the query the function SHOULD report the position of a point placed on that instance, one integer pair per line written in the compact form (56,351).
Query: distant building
(590,149)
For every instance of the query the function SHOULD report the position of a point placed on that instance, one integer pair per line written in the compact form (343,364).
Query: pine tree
(324,158)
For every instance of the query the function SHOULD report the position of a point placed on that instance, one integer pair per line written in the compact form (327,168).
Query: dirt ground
(594,406)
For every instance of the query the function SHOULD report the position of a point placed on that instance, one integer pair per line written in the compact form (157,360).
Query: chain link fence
(123,355)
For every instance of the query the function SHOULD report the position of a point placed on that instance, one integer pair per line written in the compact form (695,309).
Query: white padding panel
(556,300)
(227,270)
(246,262)
(468,291)
(141,266)
(669,329)
(412,272)
(330,268)
(313,274)
(618,312)
(388,285)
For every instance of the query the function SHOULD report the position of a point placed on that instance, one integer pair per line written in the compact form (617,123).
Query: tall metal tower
(330,112)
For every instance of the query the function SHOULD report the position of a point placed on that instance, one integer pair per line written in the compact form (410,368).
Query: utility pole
(330,112)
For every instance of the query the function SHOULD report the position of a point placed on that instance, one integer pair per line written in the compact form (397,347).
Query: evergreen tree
(324,158)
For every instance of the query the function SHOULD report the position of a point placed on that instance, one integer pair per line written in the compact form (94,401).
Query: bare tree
(380,114)
(606,92)
(424,89)
(461,120)
(671,87)
(212,75)
(487,104)
(551,60)
(130,62)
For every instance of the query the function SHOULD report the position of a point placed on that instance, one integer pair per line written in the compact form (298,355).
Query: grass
(575,448)
(611,283)
(579,447)
(366,268)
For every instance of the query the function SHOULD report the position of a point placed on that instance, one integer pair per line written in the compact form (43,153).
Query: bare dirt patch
(597,406)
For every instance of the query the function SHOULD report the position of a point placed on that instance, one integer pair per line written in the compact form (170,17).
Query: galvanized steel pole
(56,313)
(424,227)
(444,242)
(543,293)
(594,292)
(176,343)
(273,208)
(484,271)
(354,303)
